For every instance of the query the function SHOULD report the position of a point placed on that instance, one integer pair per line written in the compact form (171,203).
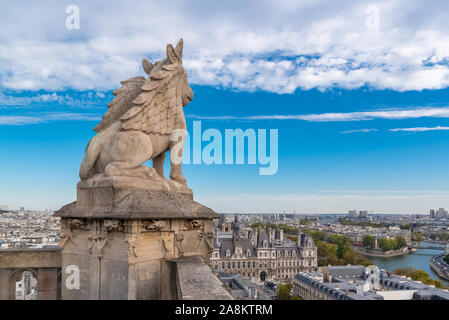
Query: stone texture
(30,258)
(133,203)
(127,258)
(196,282)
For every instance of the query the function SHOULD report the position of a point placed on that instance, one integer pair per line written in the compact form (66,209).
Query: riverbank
(419,260)
(440,267)
(384,254)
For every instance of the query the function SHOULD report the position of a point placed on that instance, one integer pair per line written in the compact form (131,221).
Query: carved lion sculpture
(140,123)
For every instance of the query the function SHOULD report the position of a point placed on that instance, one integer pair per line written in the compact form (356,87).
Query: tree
(343,244)
(419,275)
(369,242)
(384,244)
(257,226)
(316,235)
(400,242)
(327,253)
(417,236)
(283,291)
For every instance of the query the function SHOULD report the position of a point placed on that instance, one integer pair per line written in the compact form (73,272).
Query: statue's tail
(93,150)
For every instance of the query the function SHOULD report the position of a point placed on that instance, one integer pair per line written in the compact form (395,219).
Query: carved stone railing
(43,264)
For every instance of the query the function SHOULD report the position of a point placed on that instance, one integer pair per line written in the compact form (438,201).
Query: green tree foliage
(400,242)
(343,244)
(305,222)
(441,236)
(369,242)
(391,244)
(257,226)
(419,275)
(417,236)
(288,230)
(327,255)
(316,235)
(361,223)
(283,291)
(384,244)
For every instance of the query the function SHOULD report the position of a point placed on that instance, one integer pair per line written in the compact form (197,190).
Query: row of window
(262,254)
(248,264)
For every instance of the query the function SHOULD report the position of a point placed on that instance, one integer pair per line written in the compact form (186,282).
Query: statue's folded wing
(122,102)
(158,109)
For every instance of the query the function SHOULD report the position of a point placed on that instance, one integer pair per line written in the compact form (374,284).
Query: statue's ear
(172,55)
(178,48)
(147,66)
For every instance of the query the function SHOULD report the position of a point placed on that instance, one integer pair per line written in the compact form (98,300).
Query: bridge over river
(440,248)
(430,246)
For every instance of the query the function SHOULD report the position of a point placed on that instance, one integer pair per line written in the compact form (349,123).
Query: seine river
(419,260)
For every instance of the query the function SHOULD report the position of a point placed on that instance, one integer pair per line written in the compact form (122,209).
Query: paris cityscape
(259,256)
(228,159)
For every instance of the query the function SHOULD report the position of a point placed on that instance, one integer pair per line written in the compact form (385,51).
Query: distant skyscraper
(363,214)
(432,213)
(441,213)
(352,213)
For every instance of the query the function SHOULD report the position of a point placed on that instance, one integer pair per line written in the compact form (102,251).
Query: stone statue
(145,119)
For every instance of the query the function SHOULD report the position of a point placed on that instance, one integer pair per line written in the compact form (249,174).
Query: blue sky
(361,109)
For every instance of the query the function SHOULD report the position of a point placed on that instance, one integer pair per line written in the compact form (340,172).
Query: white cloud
(273,46)
(14,120)
(359,130)
(422,112)
(78,99)
(420,129)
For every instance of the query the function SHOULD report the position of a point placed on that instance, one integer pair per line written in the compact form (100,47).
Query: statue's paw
(150,173)
(180,179)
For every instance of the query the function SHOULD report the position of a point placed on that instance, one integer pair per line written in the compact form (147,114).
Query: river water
(419,260)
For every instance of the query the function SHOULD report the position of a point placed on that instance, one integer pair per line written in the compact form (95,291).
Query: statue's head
(174,57)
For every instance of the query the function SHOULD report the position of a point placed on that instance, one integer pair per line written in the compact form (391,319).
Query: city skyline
(357,93)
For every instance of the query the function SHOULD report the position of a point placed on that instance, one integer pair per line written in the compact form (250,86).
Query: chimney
(270,235)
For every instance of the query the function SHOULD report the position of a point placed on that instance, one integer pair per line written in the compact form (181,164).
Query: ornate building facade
(264,255)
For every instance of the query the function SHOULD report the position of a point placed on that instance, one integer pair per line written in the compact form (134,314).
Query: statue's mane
(139,94)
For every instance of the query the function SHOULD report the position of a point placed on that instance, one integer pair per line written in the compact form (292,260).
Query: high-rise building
(363,214)
(432,214)
(440,213)
(352,213)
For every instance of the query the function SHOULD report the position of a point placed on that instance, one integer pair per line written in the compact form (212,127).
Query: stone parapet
(195,281)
